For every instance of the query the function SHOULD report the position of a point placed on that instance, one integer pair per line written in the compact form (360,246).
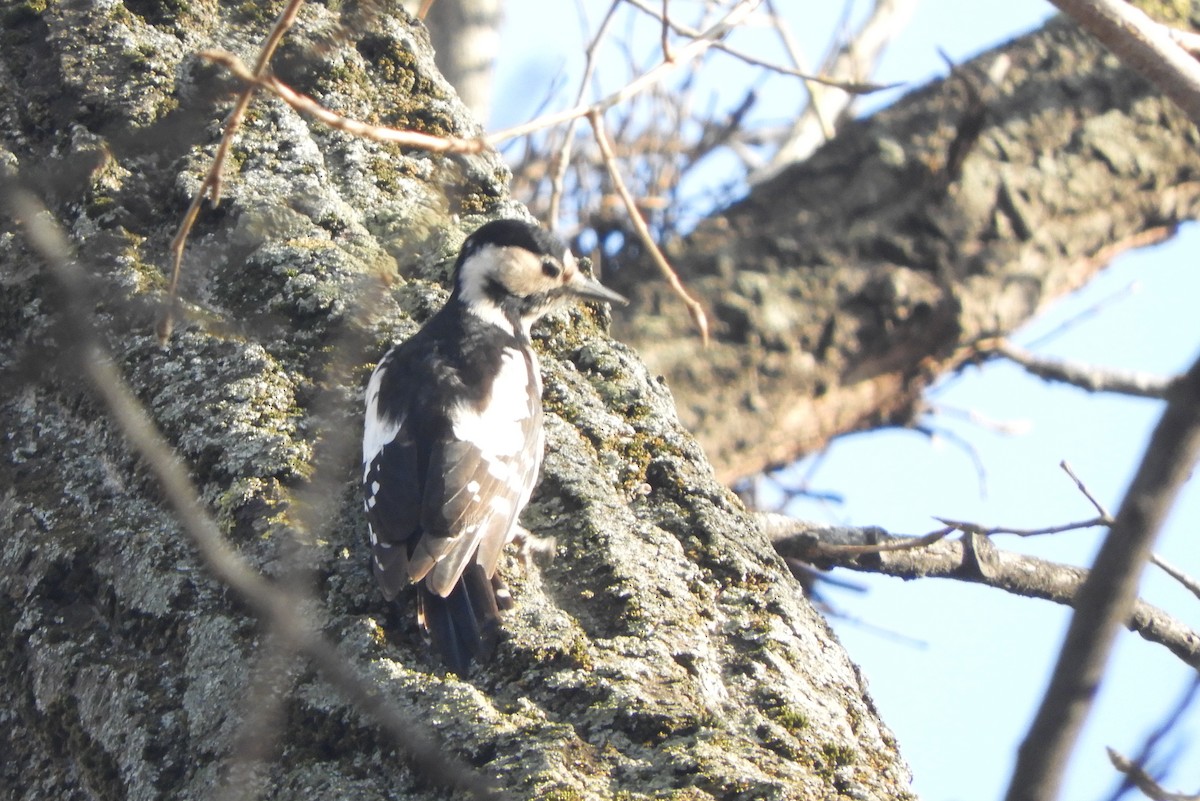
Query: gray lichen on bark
(664,652)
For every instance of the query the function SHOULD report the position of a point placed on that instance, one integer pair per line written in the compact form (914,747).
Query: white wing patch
(496,429)
(378,431)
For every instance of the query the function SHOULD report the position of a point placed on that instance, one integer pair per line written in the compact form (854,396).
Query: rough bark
(841,288)
(665,651)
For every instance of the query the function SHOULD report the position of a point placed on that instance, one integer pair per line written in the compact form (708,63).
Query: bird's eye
(551,269)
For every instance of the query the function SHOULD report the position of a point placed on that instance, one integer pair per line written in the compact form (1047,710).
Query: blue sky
(960,705)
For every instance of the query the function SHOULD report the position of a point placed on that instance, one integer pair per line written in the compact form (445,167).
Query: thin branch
(814,110)
(257,737)
(1135,774)
(1142,44)
(562,160)
(965,445)
(1099,507)
(1190,584)
(683,55)
(905,544)
(854,87)
(1143,239)
(1092,379)
(307,105)
(1109,595)
(848,67)
(666,34)
(699,318)
(1007,428)
(987,531)
(972,558)
(280,608)
(211,184)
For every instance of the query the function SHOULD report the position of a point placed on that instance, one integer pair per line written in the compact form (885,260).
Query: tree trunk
(466,41)
(842,287)
(664,651)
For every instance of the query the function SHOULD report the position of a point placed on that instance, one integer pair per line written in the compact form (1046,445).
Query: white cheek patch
(472,284)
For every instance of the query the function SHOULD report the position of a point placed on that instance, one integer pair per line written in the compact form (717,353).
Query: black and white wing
(480,476)
(443,487)
(392,478)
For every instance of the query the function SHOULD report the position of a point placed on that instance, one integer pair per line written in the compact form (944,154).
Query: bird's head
(511,273)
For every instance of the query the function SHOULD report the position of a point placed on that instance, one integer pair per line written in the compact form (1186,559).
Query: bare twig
(1099,507)
(847,67)
(1103,518)
(814,110)
(562,160)
(1125,292)
(1135,774)
(280,608)
(1007,428)
(666,34)
(211,184)
(689,52)
(306,105)
(257,735)
(987,531)
(855,87)
(972,558)
(693,306)
(1092,379)
(1189,583)
(963,444)
(1108,596)
(905,544)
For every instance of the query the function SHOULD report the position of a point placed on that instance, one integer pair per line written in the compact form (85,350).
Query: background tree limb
(841,288)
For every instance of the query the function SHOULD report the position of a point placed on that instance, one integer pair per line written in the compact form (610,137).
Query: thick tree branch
(1087,377)
(972,558)
(838,290)
(1144,44)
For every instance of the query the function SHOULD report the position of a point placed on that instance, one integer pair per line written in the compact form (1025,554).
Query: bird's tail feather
(465,625)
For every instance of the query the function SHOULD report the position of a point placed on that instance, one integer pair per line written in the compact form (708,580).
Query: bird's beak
(590,289)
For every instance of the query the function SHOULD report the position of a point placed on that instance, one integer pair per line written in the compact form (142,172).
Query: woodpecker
(453,439)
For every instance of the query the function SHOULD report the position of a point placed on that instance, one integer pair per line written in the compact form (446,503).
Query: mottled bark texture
(842,287)
(665,652)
